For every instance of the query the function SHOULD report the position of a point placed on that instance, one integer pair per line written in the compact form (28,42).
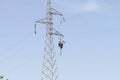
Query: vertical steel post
(49,71)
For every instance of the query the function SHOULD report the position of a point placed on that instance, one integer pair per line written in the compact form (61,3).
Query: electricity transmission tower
(49,70)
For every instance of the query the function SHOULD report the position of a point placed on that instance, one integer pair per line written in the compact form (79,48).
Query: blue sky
(92,35)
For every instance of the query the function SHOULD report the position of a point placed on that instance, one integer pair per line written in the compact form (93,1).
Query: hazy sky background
(92,35)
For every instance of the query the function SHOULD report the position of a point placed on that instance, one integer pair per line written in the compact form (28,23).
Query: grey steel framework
(49,70)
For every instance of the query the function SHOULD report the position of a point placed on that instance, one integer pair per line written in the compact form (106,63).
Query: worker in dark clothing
(60,44)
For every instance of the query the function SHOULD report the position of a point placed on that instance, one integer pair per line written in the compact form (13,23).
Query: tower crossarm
(55,12)
(42,21)
(55,32)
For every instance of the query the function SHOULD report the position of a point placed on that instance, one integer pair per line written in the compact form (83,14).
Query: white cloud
(87,6)
(81,7)
(91,6)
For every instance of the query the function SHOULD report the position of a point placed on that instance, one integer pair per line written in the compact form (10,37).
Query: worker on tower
(60,44)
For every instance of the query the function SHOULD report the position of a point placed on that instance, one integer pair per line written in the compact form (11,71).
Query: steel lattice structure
(49,71)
